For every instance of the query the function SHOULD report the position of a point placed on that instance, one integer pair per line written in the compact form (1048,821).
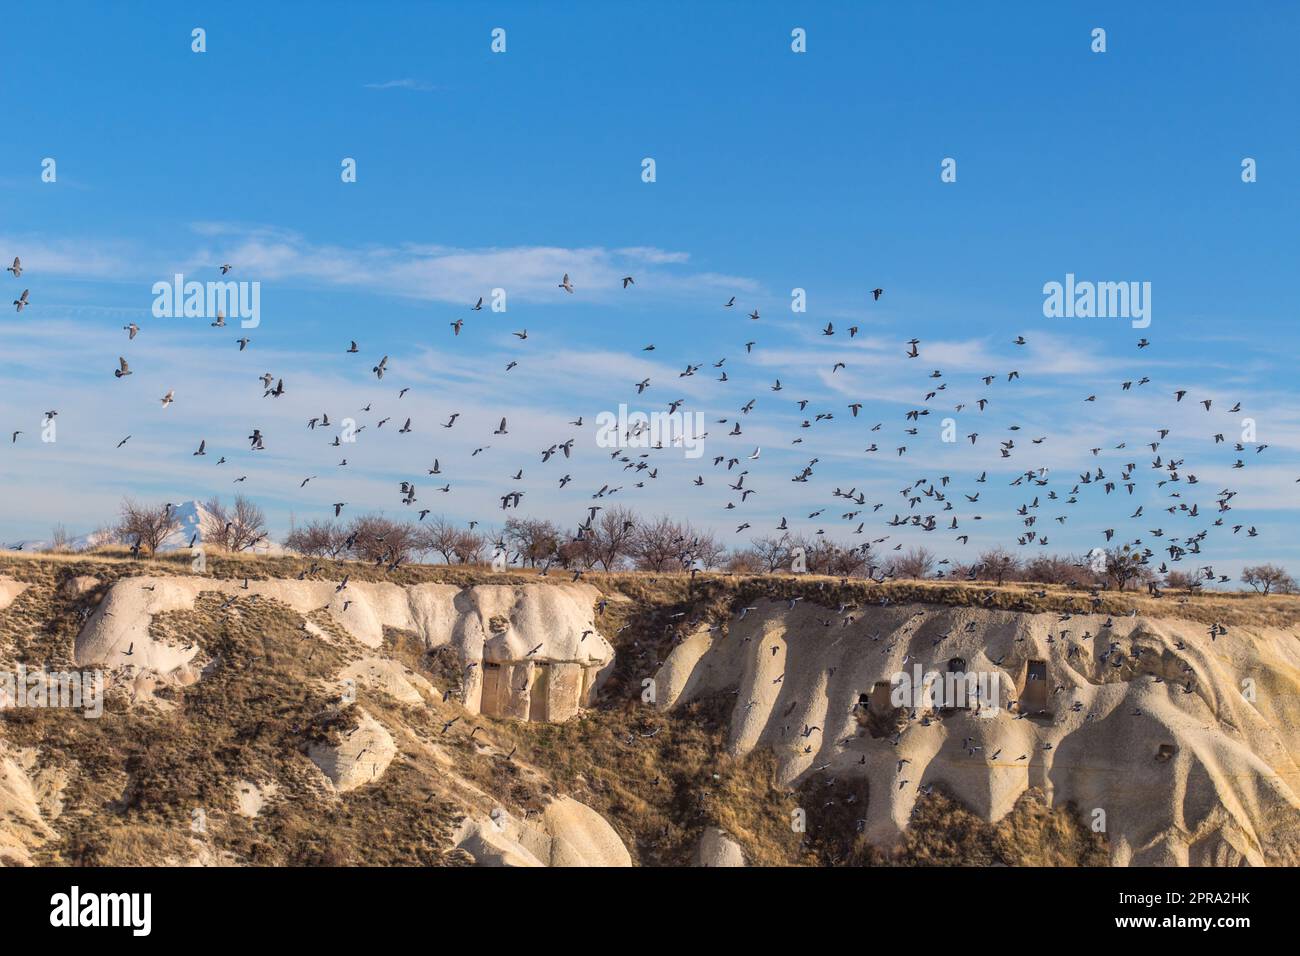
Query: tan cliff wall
(1189,748)
(520,631)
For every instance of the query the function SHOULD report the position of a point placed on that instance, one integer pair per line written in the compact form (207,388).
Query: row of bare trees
(616,539)
(813,554)
(1119,567)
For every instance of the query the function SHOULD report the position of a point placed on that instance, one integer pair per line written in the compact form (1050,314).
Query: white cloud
(419,86)
(419,271)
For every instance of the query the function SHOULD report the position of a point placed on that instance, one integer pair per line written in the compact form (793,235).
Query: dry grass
(139,772)
(943,833)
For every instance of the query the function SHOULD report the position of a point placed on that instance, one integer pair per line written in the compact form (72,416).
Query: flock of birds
(931,503)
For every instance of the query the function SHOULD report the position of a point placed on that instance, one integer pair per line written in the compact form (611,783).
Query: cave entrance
(490,703)
(539,691)
(1033,699)
(876,711)
(954,697)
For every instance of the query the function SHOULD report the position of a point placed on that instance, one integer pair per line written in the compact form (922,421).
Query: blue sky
(775,170)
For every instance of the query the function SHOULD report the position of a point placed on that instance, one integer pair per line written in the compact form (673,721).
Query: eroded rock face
(1184,768)
(530,651)
(718,849)
(9,591)
(250,797)
(582,837)
(398,682)
(360,758)
(30,800)
(568,833)
(542,658)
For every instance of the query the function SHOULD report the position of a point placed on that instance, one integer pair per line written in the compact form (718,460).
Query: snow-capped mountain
(195,523)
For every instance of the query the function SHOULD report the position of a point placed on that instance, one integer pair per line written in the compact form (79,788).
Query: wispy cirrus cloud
(432,272)
(417,86)
(105,259)
(454,274)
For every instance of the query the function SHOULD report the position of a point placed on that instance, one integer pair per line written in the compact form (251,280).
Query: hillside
(279,710)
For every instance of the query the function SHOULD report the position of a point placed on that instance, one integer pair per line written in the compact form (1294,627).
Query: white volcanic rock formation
(567,833)
(361,757)
(529,651)
(9,591)
(718,849)
(382,674)
(1185,754)
(29,801)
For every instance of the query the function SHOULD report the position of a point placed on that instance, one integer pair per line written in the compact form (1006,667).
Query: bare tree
(322,539)
(745,561)
(702,547)
(578,552)
(996,564)
(533,538)
(611,536)
(1124,564)
(469,546)
(1181,581)
(915,563)
(378,539)
(657,545)
(59,538)
(217,532)
(771,553)
(146,525)
(438,536)
(830,558)
(236,529)
(1266,578)
(1055,569)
